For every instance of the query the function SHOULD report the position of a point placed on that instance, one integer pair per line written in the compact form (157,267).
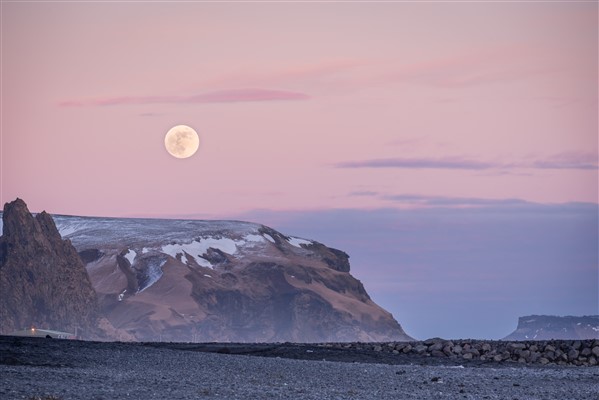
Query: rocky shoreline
(32,368)
(550,352)
(428,352)
(434,351)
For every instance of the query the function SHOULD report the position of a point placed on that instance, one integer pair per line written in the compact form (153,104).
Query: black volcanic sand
(314,352)
(32,368)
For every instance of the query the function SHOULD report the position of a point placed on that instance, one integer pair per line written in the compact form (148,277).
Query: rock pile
(556,352)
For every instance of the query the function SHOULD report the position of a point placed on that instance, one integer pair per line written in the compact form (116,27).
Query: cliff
(180,280)
(43,282)
(547,327)
(190,280)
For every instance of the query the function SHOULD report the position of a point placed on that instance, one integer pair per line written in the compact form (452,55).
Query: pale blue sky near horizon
(463,273)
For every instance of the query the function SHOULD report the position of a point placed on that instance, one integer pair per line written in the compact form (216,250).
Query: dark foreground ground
(32,368)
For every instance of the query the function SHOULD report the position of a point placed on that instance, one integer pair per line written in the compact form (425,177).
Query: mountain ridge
(198,280)
(548,327)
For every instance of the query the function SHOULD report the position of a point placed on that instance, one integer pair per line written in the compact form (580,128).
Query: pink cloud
(322,71)
(470,68)
(486,77)
(420,163)
(476,66)
(443,201)
(219,96)
(569,160)
(446,201)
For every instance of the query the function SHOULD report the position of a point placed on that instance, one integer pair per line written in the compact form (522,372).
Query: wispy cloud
(419,163)
(572,160)
(443,201)
(488,77)
(468,69)
(363,193)
(472,68)
(219,96)
(324,72)
(568,160)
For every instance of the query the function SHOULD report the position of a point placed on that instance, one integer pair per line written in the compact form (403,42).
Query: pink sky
(414,136)
(298,106)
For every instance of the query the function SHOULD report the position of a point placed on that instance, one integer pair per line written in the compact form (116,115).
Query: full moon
(181,141)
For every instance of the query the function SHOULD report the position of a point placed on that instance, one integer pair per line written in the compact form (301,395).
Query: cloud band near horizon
(560,161)
(447,201)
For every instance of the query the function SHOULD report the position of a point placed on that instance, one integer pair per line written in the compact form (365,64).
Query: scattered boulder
(420,349)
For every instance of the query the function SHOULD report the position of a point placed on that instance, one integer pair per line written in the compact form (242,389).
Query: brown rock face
(43,282)
(180,280)
(207,281)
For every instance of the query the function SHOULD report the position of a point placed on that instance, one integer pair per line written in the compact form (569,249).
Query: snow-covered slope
(223,281)
(191,242)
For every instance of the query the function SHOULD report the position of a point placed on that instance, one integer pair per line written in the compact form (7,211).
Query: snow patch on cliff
(254,238)
(152,273)
(269,238)
(297,242)
(130,255)
(198,248)
(71,227)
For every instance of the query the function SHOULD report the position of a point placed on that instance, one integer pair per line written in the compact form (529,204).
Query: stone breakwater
(551,352)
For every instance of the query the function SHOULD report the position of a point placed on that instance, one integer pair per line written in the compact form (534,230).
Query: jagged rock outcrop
(548,327)
(227,281)
(43,282)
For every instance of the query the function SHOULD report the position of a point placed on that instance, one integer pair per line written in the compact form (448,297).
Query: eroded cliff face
(206,281)
(549,327)
(43,282)
(180,280)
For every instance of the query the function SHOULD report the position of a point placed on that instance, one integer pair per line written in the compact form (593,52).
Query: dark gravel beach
(33,368)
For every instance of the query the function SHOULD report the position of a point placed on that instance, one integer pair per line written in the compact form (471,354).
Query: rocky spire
(43,282)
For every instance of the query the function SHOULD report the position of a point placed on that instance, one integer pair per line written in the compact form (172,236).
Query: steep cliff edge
(180,280)
(548,327)
(191,280)
(43,282)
